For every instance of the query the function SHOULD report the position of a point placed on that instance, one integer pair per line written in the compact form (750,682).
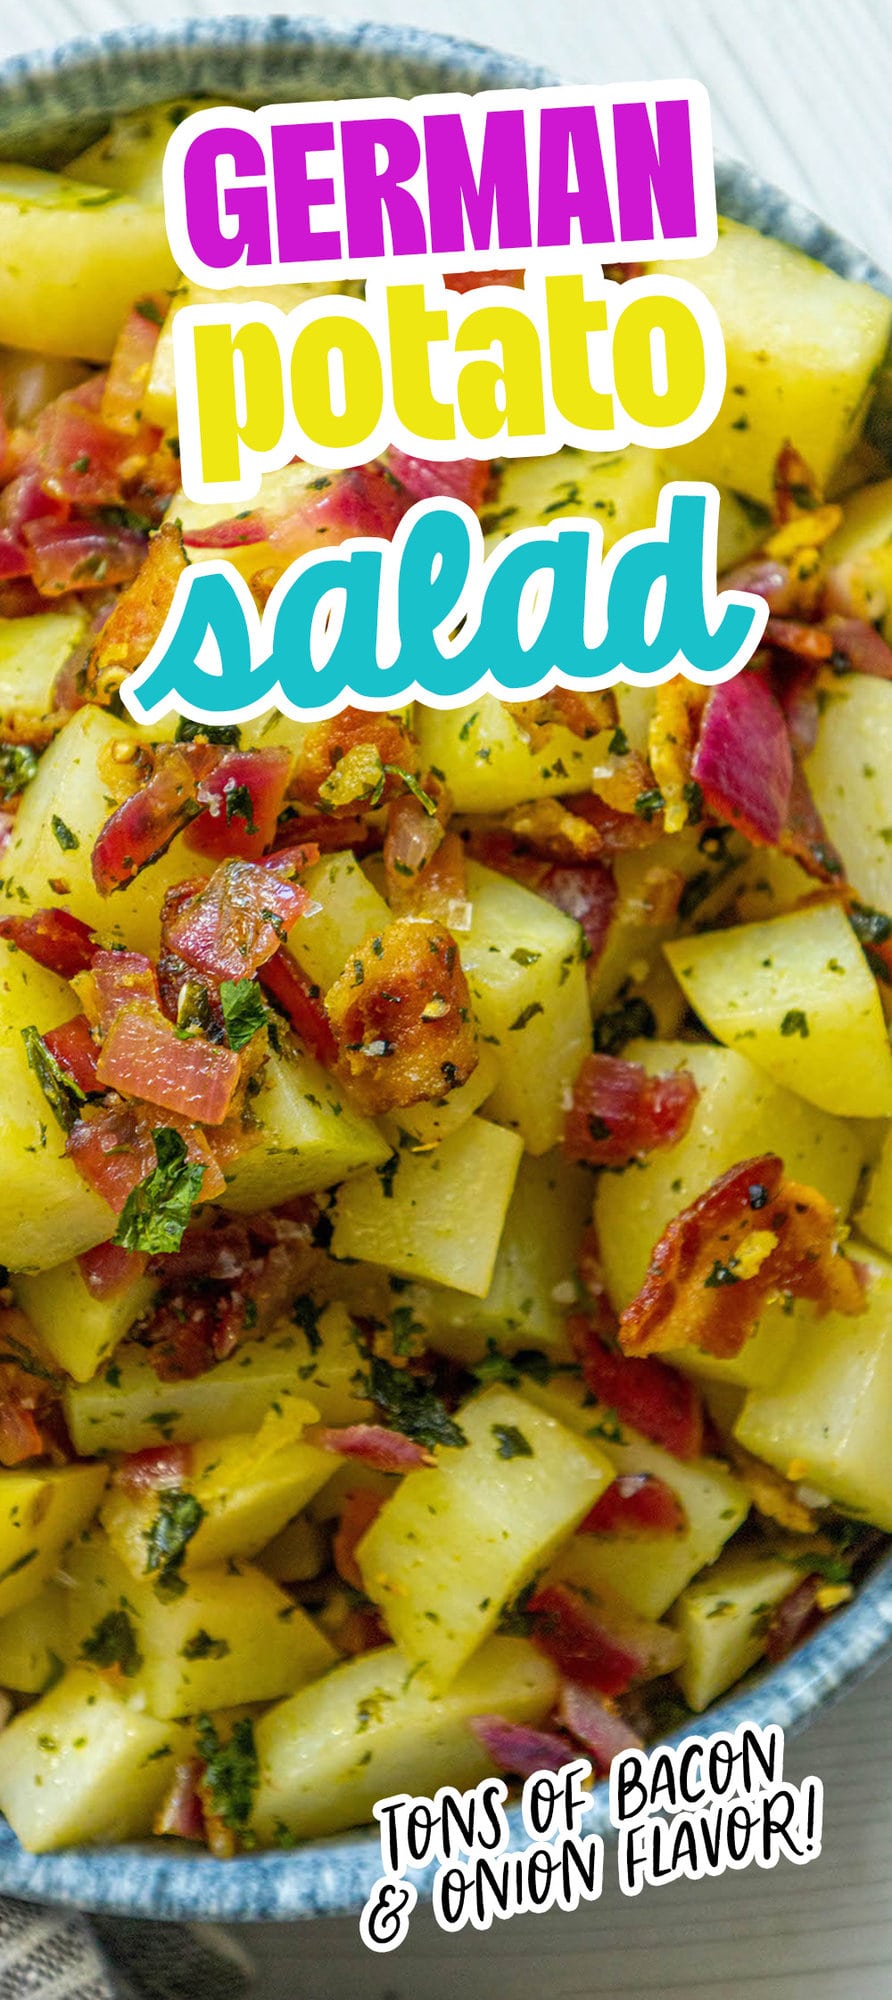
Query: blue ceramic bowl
(50,107)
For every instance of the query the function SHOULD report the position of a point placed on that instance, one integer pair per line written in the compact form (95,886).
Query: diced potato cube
(826,1421)
(739,1114)
(523,960)
(83,1765)
(309,1137)
(724,1619)
(427,1123)
(32,650)
(457,1542)
(802,348)
(47,861)
(88,254)
(875,1215)
(39,1512)
(648,1570)
(639,925)
(127,1408)
(246,1488)
(232,1637)
(436,1215)
(328,1355)
(79,1330)
(489,763)
(351,910)
(850,761)
(533,1283)
(369,1730)
(863,542)
(796,992)
(34,1641)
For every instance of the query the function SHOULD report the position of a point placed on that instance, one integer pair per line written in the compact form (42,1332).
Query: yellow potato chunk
(619,490)
(724,1618)
(826,1420)
(82,1765)
(32,651)
(458,1541)
(47,1212)
(802,348)
(39,1512)
(863,542)
(796,995)
(489,763)
(370,1729)
(75,257)
(848,772)
(308,1137)
(34,1641)
(435,1215)
(351,909)
(77,1329)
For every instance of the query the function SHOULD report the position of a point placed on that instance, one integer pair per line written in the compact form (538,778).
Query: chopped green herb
(511,1441)
(794,1022)
(410,1402)
(68,841)
(179,1517)
(231,1771)
(62,1094)
(244,1010)
(155,1215)
(112,1643)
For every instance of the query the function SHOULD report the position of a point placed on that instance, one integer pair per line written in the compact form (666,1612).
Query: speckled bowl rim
(128,68)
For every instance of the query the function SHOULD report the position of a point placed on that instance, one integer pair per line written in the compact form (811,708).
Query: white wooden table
(801,90)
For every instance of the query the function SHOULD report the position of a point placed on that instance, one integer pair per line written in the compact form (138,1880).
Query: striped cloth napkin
(52,1954)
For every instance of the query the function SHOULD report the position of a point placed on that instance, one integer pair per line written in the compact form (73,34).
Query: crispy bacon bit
(143,827)
(619,827)
(585,715)
(519,1750)
(150,1471)
(112,1148)
(793,635)
(743,762)
(672,734)
(75,1051)
(805,836)
(551,830)
(769,1492)
(243,798)
(600,1643)
(593,1724)
(653,1398)
(796,490)
(401,1016)
(229,926)
(326,744)
(359,1510)
(470,281)
(793,1619)
(751,1236)
(283,979)
(636,1503)
(143,1056)
(29,1393)
(131,363)
(118,977)
(128,635)
(180,1815)
(80,459)
(619,1113)
(373,1444)
(227,1281)
(108,1269)
(53,938)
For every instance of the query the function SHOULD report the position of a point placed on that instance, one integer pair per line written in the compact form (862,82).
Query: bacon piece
(805,836)
(793,1619)
(79,457)
(29,1393)
(803,640)
(765,576)
(619,1113)
(237,531)
(413,837)
(231,925)
(519,1750)
(128,635)
(359,1510)
(81,555)
(401,1016)
(750,1236)
(327,744)
(143,1056)
(112,1148)
(650,1396)
(588,894)
(636,1503)
(619,828)
(118,977)
(590,1722)
(213,1250)
(131,365)
(243,798)
(470,281)
(141,829)
(464,479)
(600,1644)
(53,938)
(158,1467)
(108,1269)
(180,1815)
(678,709)
(743,762)
(284,980)
(75,1051)
(373,1444)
